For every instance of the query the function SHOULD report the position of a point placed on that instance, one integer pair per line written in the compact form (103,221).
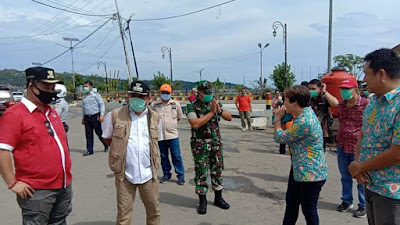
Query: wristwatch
(219,114)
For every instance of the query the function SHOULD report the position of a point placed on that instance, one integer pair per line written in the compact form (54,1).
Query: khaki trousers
(149,193)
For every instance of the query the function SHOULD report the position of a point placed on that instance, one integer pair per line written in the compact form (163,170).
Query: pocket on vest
(115,162)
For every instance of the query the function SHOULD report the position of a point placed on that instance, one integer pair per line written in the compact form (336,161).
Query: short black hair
(316,82)
(304,83)
(89,82)
(299,94)
(386,59)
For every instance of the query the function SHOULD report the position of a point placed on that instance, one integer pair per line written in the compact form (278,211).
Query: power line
(95,62)
(17,41)
(66,10)
(78,42)
(182,15)
(70,7)
(95,48)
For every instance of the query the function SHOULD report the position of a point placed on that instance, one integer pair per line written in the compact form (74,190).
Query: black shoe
(164,179)
(106,148)
(219,201)
(202,208)
(344,207)
(87,153)
(360,213)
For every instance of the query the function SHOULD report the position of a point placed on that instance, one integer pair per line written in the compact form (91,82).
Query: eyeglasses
(48,125)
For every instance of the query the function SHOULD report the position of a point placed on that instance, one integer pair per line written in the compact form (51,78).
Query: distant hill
(12,77)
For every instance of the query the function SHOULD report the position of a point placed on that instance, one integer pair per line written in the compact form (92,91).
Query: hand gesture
(23,190)
(214,106)
(280,113)
(323,87)
(355,168)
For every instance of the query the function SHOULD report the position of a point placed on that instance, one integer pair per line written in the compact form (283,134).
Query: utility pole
(71,48)
(130,38)
(121,30)
(330,37)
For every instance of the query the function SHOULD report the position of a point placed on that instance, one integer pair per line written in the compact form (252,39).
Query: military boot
(219,201)
(202,208)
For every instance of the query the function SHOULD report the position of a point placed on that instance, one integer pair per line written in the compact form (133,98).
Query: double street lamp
(275,26)
(261,72)
(199,71)
(169,50)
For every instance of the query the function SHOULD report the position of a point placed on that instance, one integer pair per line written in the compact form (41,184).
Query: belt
(92,115)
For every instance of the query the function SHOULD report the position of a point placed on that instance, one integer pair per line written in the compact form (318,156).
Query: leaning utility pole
(121,30)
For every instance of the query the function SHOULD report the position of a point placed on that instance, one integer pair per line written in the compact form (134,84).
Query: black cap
(139,87)
(304,83)
(41,74)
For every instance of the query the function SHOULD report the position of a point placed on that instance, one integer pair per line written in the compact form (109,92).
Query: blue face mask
(137,104)
(208,98)
(165,97)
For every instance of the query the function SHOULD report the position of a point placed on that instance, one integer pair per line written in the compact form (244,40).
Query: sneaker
(243,129)
(344,207)
(87,153)
(360,213)
(106,149)
(164,179)
(181,181)
(251,129)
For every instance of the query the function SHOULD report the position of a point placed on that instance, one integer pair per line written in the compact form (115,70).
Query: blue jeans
(173,146)
(305,194)
(344,160)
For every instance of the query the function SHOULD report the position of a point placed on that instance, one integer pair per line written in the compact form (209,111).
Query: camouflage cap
(204,86)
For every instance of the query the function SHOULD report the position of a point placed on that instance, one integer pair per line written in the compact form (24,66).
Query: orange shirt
(244,102)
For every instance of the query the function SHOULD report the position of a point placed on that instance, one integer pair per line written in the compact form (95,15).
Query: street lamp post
(72,56)
(275,26)
(261,74)
(169,50)
(105,69)
(36,64)
(201,78)
(130,38)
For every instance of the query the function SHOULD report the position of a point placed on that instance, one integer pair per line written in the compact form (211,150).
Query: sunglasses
(48,125)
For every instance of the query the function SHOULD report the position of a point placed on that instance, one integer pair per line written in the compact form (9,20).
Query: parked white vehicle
(17,96)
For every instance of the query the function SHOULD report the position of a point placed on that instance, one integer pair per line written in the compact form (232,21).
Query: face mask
(165,97)
(243,94)
(313,93)
(86,90)
(366,93)
(346,94)
(208,98)
(44,96)
(137,104)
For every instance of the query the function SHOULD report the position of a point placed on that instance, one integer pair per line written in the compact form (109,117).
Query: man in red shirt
(33,132)
(350,113)
(243,104)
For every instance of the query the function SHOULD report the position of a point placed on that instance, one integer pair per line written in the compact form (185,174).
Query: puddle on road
(245,185)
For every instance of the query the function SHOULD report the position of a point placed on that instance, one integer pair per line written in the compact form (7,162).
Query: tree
(177,85)
(256,84)
(353,63)
(278,77)
(239,87)
(217,87)
(158,80)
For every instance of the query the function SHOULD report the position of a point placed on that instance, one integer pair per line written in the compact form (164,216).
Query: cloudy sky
(221,40)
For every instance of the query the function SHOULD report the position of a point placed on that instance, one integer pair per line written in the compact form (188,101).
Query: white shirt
(138,161)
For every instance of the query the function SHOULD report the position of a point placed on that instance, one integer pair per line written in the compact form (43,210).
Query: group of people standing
(368,143)
(140,136)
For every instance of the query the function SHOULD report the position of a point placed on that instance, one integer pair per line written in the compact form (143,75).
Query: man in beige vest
(132,132)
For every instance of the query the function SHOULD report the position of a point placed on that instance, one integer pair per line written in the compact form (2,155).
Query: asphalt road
(255,180)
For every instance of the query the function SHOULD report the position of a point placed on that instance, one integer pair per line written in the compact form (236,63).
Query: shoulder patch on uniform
(58,100)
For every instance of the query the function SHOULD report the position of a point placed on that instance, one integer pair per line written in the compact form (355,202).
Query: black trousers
(92,123)
(305,194)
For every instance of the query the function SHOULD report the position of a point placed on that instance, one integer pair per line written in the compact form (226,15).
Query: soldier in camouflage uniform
(203,115)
